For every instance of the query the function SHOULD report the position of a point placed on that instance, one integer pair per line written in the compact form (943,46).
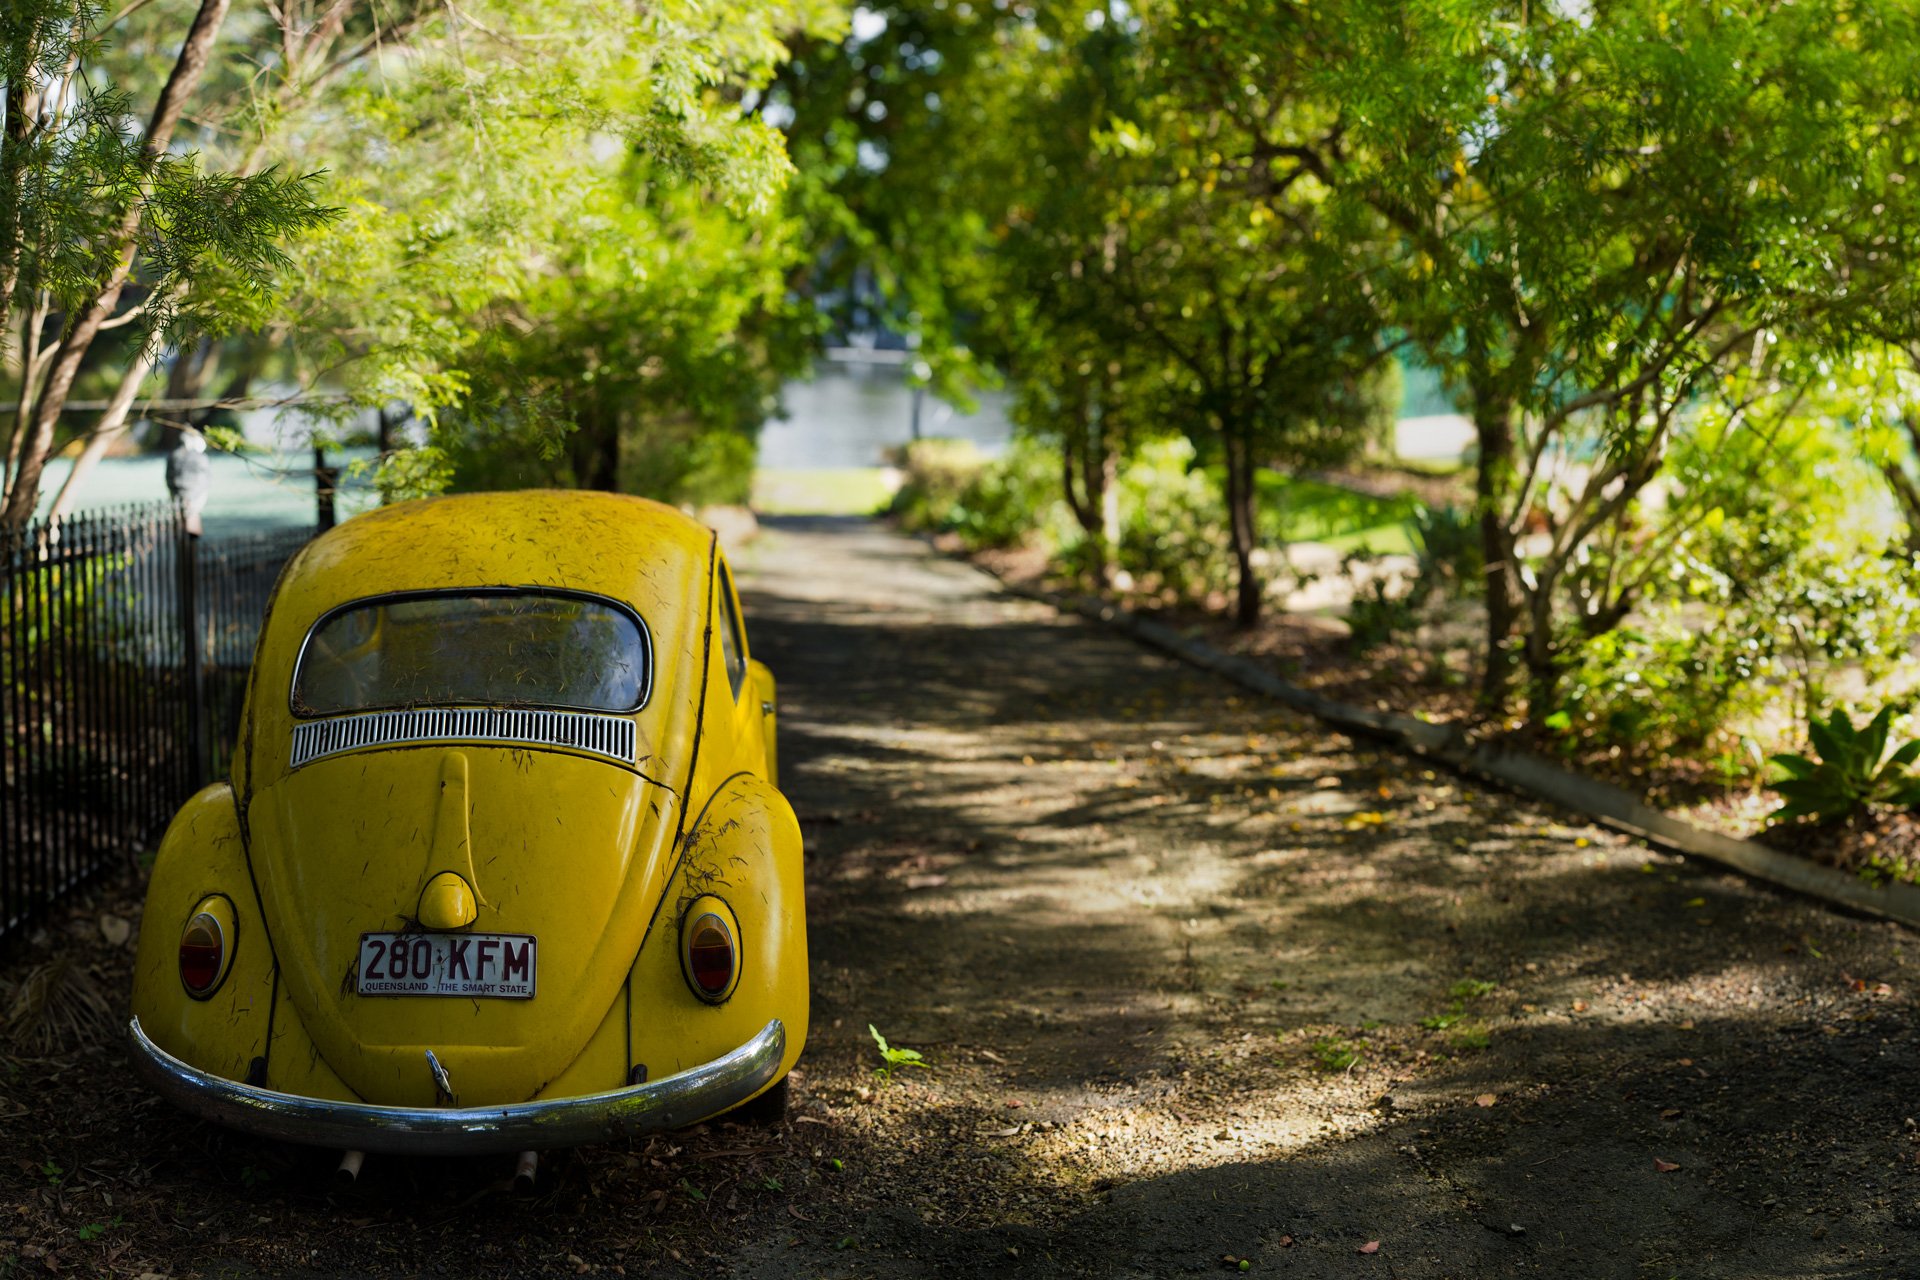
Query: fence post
(326,481)
(192,656)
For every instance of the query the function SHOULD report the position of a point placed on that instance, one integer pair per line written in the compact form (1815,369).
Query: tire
(770,1108)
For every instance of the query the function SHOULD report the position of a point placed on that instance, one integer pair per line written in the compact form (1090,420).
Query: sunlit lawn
(1297,509)
(1292,508)
(820,491)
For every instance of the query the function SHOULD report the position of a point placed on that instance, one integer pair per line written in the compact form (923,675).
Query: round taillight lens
(709,952)
(203,954)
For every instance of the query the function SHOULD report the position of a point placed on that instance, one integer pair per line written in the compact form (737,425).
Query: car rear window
(496,648)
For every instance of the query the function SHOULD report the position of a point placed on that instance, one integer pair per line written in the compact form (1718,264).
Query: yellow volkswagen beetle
(502,865)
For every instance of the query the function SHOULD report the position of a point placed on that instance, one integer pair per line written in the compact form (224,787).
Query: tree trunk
(111,427)
(1904,489)
(1493,482)
(1087,476)
(1543,665)
(31,366)
(596,454)
(81,330)
(1240,524)
(13,160)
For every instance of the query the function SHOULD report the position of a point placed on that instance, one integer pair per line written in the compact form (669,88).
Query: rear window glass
(487,648)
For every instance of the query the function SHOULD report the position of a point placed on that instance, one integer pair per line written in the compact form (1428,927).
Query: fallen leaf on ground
(1664,1166)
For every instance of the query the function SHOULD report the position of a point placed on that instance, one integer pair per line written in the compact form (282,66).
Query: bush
(1012,501)
(1173,534)
(1670,687)
(1381,612)
(949,488)
(1853,772)
(935,473)
(1449,557)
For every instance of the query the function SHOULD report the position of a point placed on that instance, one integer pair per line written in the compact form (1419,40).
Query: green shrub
(1382,610)
(1013,500)
(1173,534)
(1449,557)
(1854,770)
(1669,687)
(935,472)
(948,487)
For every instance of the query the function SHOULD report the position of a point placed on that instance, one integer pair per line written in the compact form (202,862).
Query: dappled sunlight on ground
(1196,980)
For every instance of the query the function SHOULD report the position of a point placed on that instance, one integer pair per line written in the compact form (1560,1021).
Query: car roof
(630,549)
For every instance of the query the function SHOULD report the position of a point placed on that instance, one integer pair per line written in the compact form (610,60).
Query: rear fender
(744,849)
(202,855)
(766,696)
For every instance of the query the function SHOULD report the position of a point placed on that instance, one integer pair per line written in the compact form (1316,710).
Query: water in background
(251,494)
(848,416)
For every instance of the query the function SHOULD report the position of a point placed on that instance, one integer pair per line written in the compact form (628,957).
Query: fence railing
(124,648)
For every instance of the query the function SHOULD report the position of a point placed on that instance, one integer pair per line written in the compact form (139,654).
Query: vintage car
(502,865)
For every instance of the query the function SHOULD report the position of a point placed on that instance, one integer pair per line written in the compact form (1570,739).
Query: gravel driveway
(1203,987)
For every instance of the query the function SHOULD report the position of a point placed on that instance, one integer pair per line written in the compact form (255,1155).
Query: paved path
(1203,980)
(1200,981)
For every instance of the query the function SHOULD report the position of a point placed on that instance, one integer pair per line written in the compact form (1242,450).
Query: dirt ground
(1203,988)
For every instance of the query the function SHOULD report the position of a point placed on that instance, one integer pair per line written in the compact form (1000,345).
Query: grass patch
(820,491)
(1297,509)
(1336,1053)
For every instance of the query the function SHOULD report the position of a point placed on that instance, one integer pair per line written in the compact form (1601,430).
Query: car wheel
(769,1108)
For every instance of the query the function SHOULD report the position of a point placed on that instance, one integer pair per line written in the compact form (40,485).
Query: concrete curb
(1603,802)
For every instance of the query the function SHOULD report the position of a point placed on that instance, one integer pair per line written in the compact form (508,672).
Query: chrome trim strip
(609,737)
(671,1102)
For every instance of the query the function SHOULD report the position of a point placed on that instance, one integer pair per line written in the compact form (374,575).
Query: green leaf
(1797,766)
(1831,740)
(1873,742)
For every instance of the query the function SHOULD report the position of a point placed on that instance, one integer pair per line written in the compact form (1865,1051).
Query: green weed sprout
(895,1058)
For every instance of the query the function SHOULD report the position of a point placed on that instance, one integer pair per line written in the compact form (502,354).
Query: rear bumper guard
(670,1102)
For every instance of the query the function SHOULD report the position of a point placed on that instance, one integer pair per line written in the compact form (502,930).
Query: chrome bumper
(667,1103)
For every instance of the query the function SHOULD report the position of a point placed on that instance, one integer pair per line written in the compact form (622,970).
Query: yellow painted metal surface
(202,854)
(744,848)
(594,859)
(447,903)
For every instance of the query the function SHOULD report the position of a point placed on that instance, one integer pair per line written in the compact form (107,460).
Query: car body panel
(744,848)
(202,854)
(346,845)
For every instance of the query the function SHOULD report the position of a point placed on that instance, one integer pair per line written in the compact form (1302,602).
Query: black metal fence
(124,648)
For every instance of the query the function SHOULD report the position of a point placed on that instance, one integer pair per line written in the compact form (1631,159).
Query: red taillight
(709,953)
(203,952)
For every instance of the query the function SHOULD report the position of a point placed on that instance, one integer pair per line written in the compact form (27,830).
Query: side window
(732,644)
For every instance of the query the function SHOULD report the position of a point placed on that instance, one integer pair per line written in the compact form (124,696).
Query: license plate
(447,964)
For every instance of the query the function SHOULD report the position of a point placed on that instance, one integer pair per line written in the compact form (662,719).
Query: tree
(1138,249)
(1601,213)
(460,145)
(84,204)
(645,359)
